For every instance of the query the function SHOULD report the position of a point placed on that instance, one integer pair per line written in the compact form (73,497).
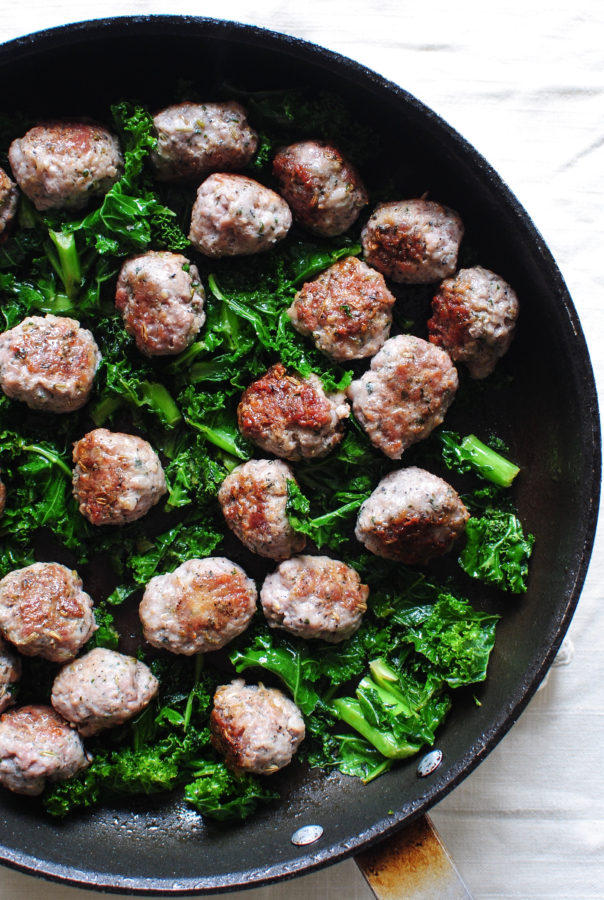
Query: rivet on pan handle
(412,865)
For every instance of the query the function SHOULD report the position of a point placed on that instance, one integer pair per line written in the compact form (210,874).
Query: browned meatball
(323,189)
(292,416)
(199,607)
(473,318)
(413,241)
(315,597)
(9,200)
(412,517)
(36,746)
(257,729)
(61,165)
(117,477)
(45,612)
(347,310)
(194,139)
(405,394)
(161,299)
(10,672)
(102,689)
(253,498)
(48,363)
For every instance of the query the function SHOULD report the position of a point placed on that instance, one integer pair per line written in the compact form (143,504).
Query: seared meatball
(199,607)
(61,165)
(194,139)
(292,416)
(49,363)
(10,672)
(117,477)
(102,689)
(161,299)
(322,188)
(253,500)
(315,597)
(45,612)
(36,746)
(473,318)
(9,200)
(257,729)
(236,216)
(405,394)
(347,310)
(413,241)
(412,517)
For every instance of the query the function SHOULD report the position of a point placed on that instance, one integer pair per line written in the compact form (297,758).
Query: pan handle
(412,865)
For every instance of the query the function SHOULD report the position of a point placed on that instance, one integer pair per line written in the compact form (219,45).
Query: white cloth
(522,80)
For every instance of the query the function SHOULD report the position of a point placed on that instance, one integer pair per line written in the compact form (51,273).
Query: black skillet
(548,415)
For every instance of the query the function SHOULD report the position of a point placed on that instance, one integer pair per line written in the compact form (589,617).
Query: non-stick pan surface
(547,413)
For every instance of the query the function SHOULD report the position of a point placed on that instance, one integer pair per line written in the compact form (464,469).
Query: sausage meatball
(413,241)
(44,611)
(36,746)
(473,318)
(199,607)
(253,500)
(194,139)
(2,496)
(9,200)
(10,672)
(161,299)
(257,729)
(237,216)
(347,310)
(102,689)
(61,165)
(412,517)
(49,363)
(405,394)
(292,416)
(315,597)
(322,188)
(117,477)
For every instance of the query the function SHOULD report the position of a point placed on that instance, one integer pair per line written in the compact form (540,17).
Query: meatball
(253,500)
(292,416)
(347,310)
(194,139)
(61,165)
(199,607)
(117,477)
(44,611)
(412,517)
(413,241)
(161,299)
(10,672)
(322,188)
(102,689)
(257,729)
(236,216)
(9,200)
(315,597)
(473,318)
(36,746)
(405,394)
(2,496)
(49,363)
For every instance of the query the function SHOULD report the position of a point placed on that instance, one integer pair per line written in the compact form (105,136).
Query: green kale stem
(196,676)
(50,456)
(349,710)
(487,462)
(66,261)
(101,411)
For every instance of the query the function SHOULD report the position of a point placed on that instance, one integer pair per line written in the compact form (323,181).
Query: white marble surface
(523,80)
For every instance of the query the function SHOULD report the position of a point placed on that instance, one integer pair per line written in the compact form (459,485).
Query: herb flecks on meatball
(346,310)
(411,517)
(323,189)
(413,241)
(292,416)
(473,318)
(117,477)
(257,729)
